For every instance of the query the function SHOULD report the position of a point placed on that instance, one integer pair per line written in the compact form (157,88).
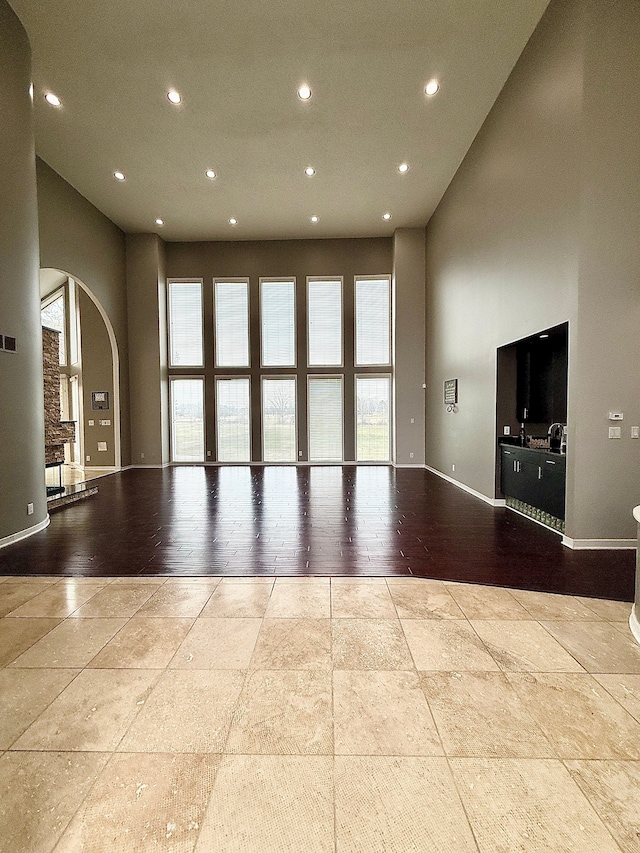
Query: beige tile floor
(347,716)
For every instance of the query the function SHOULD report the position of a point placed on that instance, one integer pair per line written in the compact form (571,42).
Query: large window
(53,316)
(373,321)
(281,370)
(325,418)
(279,434)
(232,323)
(278,323)
(324,322)
(233,420)
(185,324)
(187,420)
(373,435)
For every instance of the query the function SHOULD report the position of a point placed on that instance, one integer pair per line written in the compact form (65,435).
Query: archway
(92,362)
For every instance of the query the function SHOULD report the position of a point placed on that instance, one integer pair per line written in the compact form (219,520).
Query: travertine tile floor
(309,714)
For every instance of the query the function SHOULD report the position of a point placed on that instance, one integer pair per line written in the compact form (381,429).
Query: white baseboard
(634,623)
(465,488)
(23,534)
(407,465)
(164,465)
(598,544)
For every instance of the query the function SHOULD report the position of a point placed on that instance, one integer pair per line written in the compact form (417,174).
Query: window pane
(53,317)
(233,420)
(187,420)
(279,420)
(277,311)
(325,419)
(372,418)
(232,323)
(185,323)
(325,322)
(373,321)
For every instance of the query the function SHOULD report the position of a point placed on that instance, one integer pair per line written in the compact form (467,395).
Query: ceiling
(237,67)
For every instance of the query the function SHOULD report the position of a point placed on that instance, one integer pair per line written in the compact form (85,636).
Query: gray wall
(79,240)
(539,227)
(97,375)
(409,344)
(21,388)
(146,297)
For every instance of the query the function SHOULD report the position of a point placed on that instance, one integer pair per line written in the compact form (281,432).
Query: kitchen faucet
(557,433)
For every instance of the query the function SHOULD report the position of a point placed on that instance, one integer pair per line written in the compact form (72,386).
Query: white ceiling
(238,66)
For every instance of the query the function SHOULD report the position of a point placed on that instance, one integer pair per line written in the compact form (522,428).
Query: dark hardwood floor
(309,521)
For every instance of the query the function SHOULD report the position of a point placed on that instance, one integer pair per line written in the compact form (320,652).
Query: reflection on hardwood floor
(305,520)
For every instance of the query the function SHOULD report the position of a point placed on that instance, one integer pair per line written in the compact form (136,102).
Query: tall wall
(539,227)
(79,240)
(409,344)
(21,387)
(147,300)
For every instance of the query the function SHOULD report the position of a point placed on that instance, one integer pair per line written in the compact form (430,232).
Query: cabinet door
(553,489)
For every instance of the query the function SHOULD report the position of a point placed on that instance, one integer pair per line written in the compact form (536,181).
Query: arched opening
(89,370)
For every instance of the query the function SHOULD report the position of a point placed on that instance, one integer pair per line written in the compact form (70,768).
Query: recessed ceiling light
(118,176)
(159,221)
(174,96)
(432,87)
(309,171)
(544,336)
(386,216)
(210,174)
(52,99)
(315,218)
(233,221)
(304,93)
(403,167)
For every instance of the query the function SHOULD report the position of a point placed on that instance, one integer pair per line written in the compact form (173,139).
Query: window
(278,323)
(279,436)
(324,318)
(185,323)
(373,397)
(187,420)
(233,423)
(53,316)
(232,323)
(325,418)
(373,321)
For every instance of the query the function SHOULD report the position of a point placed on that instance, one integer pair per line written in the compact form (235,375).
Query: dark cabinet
(535,477)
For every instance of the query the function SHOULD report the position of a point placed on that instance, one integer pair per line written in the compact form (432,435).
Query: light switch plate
(506,430)
(635,432)
(615,432)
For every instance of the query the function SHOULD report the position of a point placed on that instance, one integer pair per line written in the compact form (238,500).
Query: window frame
(356,279)
(377,375)
(192,280)
(180,377)
(271,377)
(309,280)
(289,279)
(232,378)
(231,280)
(310,378)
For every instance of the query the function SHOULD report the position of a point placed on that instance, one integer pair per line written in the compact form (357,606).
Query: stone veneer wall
(56,432)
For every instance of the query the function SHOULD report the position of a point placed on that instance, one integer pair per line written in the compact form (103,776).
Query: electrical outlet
(506,430)
(92,423)
(300,453)
(413,420)
(635,432)
(411,456)
(87,459)
(142,456)
(208,453)
(29,509)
